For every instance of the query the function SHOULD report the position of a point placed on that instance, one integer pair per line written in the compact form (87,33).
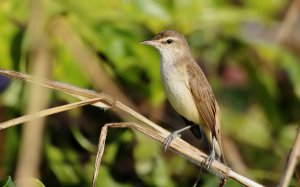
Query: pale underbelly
(182,101)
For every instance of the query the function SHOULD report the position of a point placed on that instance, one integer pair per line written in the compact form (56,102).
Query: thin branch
(148,127)
(289,29)
(292,161)
(289,22)
(47,112)
(76,92)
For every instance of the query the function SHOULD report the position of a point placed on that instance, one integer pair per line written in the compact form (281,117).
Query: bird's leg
(211,157)
(173,135)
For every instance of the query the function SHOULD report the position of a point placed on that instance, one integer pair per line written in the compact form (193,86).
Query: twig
(289,29)
(148,127)
(292,161)
(289,22)
(47,112)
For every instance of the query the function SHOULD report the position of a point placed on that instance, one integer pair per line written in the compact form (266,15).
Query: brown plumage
(206,103)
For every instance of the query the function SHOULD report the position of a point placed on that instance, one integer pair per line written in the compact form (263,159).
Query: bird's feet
(174,135)
(170,138)
(211,157)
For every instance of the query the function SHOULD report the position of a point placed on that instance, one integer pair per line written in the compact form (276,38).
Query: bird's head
(169,43)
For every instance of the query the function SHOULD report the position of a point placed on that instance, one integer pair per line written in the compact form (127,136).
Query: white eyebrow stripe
(167,38)
(172,38)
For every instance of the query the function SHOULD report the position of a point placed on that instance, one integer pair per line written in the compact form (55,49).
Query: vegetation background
(248,49)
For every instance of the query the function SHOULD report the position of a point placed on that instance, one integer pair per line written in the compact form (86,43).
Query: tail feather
(219,150)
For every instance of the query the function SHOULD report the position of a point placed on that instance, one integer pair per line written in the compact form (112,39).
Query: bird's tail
(218,149)
(217,139)
(214,141)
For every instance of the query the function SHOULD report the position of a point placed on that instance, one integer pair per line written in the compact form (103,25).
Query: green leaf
(6,182)
(82,140)
(61,167)
(32,182)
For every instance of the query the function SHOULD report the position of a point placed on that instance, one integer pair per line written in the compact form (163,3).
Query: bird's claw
(208,161)
(169,139)
(174,135)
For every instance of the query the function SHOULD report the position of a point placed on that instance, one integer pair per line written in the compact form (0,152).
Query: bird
(188,91)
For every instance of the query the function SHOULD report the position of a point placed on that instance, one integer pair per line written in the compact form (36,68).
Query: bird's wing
(204,98)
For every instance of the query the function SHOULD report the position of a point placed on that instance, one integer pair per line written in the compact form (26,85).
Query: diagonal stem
(292,161)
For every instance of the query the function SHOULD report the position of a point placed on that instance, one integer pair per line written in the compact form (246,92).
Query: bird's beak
(149,42)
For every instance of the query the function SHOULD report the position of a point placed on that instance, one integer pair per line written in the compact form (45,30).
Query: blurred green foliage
(7,182)
(256,82)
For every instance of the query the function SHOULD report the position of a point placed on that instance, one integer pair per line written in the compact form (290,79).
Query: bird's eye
(169,41)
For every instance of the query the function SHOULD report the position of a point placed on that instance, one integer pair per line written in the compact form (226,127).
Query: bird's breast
(178,93)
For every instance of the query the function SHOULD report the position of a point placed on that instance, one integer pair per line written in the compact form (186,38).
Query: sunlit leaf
(6,182)
(29,181)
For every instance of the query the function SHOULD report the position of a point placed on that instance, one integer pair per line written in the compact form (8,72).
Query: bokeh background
(248,49)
